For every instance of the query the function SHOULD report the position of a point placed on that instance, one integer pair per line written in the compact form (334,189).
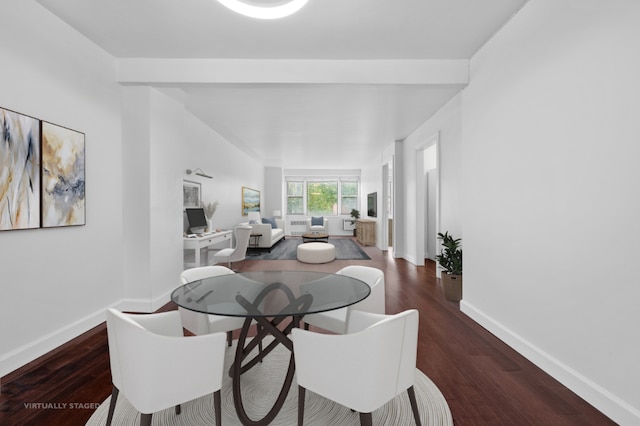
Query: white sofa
(270,236)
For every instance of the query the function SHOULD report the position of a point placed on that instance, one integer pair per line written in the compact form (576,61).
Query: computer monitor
(197,220)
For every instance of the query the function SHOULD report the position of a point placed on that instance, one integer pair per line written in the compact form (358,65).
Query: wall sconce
(277,213)
(199,172)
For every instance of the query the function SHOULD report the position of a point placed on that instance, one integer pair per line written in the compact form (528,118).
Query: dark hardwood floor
(484,381)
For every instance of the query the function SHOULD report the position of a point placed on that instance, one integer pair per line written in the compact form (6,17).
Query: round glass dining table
(277,301)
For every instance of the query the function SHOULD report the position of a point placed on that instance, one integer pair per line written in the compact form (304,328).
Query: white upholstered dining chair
(371,364)
(336,320)
(199,323)
(239,252)
(156,367)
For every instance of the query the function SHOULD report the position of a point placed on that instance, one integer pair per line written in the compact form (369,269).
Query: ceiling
(296,124)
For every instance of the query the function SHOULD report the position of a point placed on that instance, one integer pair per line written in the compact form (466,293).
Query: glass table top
(270,293)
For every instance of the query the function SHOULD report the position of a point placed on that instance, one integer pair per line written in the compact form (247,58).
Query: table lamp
(254,216)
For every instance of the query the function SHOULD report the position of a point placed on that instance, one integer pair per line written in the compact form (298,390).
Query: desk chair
(239,252)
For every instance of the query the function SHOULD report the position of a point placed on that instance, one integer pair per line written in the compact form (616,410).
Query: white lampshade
(277,213)
(254,216)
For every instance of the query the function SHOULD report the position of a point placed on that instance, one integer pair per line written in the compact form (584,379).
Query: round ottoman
(316,252)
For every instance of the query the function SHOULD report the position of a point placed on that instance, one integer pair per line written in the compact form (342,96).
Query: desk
(270,298)
(205,241)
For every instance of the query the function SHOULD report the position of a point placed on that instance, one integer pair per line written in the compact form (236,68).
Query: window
(349,197)
(322,198)
(295,198)
(319,196)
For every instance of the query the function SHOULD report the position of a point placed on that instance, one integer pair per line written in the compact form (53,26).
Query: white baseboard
(35,349)
(406,257)
(609,404)
(146,305)
(25,354)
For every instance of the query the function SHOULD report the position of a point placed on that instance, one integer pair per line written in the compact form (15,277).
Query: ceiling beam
(301,71)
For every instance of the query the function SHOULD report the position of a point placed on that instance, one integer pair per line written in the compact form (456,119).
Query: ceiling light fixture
(253,9)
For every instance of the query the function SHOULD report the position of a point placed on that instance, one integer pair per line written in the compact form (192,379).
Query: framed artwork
(191,192)
(63,176)
(20,157)
(250,200)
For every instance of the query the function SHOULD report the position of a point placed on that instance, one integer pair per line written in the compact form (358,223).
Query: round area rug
(260,387)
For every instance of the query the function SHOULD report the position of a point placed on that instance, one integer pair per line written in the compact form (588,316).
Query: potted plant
(450,260)
(355,214)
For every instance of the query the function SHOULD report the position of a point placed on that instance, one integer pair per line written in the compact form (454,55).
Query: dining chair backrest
(144,350)
(337,320)
(374,277)
(199,273)
(196,322)
(242,233)
(364,369)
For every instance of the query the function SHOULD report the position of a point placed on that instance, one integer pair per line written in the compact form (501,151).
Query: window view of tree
(295,198)
(349,197)
(322,198)
(317,197)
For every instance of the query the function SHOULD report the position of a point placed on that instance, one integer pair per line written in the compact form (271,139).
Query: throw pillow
(317,220)
(271,221)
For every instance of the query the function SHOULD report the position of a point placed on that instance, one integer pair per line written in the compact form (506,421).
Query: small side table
(253,243)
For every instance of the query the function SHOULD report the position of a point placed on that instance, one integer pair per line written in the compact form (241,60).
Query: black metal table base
(266,327)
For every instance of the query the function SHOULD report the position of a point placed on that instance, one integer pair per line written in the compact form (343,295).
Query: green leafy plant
(355,214)
(450,258)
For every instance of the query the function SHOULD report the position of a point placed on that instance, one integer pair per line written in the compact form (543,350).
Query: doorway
(387,207)
(427,199)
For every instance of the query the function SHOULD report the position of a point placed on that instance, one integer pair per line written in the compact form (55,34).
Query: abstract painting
(191,193)
(19,171)
(250,200)
(63,176)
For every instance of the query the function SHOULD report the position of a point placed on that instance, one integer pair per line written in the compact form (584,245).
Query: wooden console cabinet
(366,232)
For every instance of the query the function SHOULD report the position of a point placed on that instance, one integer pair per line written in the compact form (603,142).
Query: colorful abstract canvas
(63,176)
(19,171)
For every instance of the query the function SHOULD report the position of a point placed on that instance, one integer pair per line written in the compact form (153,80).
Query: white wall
(136,183)
(371,181)
(445,125)
(139,142)
(273,189)
(231,170)
(161,141)
(57,282)
(166,198)
(153,130)
(551,206)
